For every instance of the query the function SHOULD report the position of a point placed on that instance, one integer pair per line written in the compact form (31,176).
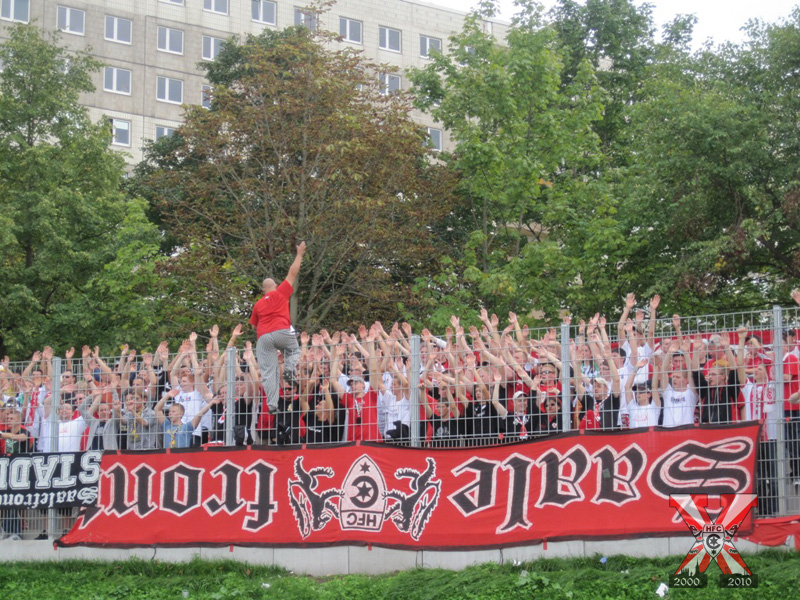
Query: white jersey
(759,401)
(70,434)
(678,406)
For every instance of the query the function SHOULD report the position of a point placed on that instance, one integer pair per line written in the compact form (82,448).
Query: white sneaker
(796,484)
(14,538)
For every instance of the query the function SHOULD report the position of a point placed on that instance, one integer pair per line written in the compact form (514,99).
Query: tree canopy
(301,143)
(76,253)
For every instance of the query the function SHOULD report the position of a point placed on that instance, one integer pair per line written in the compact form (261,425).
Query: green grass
(553,579)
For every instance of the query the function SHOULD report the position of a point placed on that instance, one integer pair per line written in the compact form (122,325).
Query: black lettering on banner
(180,489)
(518,491)
(558,487)
(693,467)
(480,493)
(612,485)
(263,507)
(142,490)
(231,501)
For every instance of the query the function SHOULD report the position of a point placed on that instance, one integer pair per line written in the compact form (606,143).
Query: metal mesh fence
(466,387)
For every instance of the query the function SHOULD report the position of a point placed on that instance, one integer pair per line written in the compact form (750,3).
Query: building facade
(151,49)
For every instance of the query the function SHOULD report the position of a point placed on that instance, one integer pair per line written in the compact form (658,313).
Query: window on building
(120,132)
(265,11)
(435,139)
(117,80)
(71,20)
(211,47)
(350,30)
(390,83)
(164,131)
(217,6)
(205,98)
(15,10)
(426,44)
(305,17)
(170,40)
(180,2)
(169,90)
(119,29)
(390,39)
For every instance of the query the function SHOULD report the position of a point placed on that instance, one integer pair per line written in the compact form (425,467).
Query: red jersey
(271,313)
(362,417)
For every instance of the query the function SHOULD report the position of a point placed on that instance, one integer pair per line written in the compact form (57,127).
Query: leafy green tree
(616,38)
(76,254)
(301,143)
(535,227)
(712,204)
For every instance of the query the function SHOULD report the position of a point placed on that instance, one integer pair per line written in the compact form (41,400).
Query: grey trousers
(267,356)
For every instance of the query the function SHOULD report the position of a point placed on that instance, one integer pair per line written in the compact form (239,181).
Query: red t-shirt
(271,313)
(362,417)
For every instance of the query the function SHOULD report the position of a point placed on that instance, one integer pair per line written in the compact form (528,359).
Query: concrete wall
(342,560)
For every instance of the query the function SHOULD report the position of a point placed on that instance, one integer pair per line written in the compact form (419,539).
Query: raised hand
(69,353)
(630,301)
(654,302)
(796,296)
(237,331)
(742,332)
(676,322)
(214,331)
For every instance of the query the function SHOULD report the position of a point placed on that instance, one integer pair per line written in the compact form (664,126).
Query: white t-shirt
(642,416)
(193,403)
(644,351)
(390,409)
(678,406)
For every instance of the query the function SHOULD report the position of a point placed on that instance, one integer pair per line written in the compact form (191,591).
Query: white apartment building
(151,48)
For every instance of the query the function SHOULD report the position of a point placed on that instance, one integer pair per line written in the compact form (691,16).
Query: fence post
(230,400)
(55,403)
(566,394)
(413,391)
(778,413)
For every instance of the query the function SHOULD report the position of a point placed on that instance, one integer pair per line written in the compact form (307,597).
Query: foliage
(300,144)
(713,198)
(535,225)
(618,577)
(72,245)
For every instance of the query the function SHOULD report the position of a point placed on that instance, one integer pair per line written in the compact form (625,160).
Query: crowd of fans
(475,387)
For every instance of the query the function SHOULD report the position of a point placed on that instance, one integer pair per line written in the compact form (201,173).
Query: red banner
(604,485)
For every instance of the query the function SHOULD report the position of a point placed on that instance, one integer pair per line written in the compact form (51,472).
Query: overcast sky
(717,19)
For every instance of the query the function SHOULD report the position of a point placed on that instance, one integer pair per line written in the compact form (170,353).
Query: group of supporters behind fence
(468,387)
